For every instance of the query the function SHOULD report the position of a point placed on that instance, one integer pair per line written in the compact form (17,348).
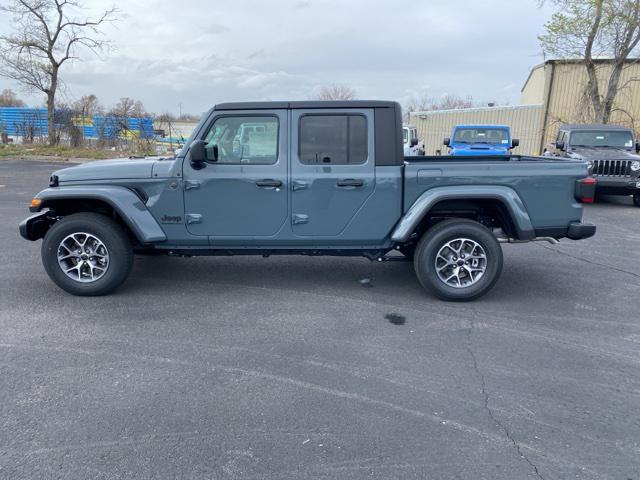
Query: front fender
(428,199)
(125,202)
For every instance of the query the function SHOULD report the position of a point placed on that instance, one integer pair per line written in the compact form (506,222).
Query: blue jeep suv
(481,140)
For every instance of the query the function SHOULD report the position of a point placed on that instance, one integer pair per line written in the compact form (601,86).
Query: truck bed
(545,185)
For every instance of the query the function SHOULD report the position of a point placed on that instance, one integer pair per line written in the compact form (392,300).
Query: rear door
(244,192)
(332,169)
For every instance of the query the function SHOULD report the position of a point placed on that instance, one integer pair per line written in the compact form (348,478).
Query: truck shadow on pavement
(522,278)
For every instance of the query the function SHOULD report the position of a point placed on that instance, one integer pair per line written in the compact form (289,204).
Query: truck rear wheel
(87,254)
(458,260)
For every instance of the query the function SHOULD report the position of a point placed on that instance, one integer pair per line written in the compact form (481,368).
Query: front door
(332,169)
(242,189)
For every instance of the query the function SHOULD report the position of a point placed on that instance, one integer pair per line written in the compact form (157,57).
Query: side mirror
(637,147)
(212,153)
(447,141)
(197,154)
(515,142)
(414,142)
(560,145)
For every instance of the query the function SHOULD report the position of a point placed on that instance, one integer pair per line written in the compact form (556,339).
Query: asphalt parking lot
(295,368)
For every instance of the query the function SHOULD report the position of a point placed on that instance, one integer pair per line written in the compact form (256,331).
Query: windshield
(611,138)
(481,135)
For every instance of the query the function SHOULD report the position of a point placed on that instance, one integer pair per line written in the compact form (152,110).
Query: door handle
(269,183)
(350,182)
(299,185)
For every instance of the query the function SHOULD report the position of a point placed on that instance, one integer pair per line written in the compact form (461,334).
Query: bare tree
(425,103)
(417,104)
(48,34)
(589,29)
(165,123)
(189,117)
(450,102)
(183,117)
(120,114)
(88,106)
(9,99)
(65,121)
(336,92)
(128,107)
(85,108)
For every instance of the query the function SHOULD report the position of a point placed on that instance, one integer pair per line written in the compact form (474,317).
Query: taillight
(586,190)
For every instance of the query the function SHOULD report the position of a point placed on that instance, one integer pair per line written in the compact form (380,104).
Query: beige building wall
(533,90)
(525,122)
(562,87)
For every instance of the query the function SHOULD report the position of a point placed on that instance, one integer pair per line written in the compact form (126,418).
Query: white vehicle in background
(410,141)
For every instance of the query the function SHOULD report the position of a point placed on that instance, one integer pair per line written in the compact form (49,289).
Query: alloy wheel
(461,263)
(83,257)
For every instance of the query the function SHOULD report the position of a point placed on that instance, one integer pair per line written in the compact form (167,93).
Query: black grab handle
(350,182)
(269,183)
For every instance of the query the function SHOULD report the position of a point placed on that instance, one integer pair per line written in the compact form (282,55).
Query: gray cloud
(216,29)
(198,52)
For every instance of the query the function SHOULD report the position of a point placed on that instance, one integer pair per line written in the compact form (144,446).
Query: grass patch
(63,152)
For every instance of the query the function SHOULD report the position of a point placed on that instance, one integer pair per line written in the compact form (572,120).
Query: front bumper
(35,227)
(619,186)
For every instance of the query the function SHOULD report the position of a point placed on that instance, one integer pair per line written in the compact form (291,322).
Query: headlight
(635,166)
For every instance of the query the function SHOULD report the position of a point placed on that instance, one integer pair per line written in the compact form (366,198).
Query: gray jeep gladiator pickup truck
(609,150)
(311,178)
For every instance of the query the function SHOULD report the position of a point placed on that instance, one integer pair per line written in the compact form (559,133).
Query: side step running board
(551,240)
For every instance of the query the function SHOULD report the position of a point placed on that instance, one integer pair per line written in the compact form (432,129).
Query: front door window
(243,140)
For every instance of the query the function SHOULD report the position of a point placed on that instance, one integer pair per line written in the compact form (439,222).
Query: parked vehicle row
(610,151)
(310,178)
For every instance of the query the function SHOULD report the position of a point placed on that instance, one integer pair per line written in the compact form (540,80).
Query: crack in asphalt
(611,267)
(485,394)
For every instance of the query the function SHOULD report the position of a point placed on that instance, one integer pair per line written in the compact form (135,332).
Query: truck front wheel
(87,254)
(458,260)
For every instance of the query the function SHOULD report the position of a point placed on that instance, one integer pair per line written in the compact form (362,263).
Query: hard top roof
(595,126)
(311,104)
(479,125)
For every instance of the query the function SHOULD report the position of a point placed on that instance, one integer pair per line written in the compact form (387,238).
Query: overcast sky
(194,53)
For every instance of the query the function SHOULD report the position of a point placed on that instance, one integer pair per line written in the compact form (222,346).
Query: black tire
(636,199)
(436,238)
(112,236)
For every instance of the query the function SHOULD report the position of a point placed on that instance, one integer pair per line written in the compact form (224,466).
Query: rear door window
(333,139)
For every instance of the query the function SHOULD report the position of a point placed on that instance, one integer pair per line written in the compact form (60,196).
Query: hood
(479,149)
(108,170)
(603,153)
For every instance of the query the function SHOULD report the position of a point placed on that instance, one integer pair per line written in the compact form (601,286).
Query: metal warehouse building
(554,93)
(524,120)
